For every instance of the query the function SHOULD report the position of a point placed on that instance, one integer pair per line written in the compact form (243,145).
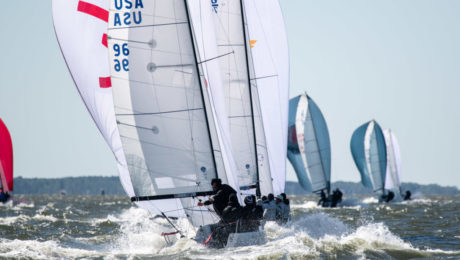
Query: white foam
(41,250)
(306,205)
(139,233)
(45,217)
(11,220)
(370,200)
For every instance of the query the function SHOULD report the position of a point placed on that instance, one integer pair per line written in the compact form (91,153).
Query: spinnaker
(370,155)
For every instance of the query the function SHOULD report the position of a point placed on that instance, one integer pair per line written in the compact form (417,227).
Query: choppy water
(93,227)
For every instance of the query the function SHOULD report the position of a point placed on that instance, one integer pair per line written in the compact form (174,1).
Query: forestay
(270,77)
(393,170)
(369,153)
(309,145)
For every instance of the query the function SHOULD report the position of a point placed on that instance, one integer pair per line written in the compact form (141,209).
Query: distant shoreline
(94,185)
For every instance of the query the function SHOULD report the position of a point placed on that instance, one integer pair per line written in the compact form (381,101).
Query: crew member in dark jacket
(251,215)
(227,225)
(408,194)
(232,212)
(221,198)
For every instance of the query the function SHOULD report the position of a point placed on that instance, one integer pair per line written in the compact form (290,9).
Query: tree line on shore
(95,185)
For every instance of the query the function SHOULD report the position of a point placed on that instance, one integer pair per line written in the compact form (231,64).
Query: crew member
(323,201)
(221,198)
(287,211)
(270,208)
(251,215)
(388,197)
(336,197)
(4,196)
(408,194)
(282,215)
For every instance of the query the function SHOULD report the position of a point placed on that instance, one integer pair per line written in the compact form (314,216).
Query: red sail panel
(6,158)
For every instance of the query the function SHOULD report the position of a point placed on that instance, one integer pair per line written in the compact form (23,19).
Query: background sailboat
(6,159)
(370,156)
(309,148)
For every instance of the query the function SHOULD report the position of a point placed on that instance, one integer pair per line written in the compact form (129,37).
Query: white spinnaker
(309,147)
(80,34)
(80,27)
(201,19)
(372,157)
(270,57)
(168,134)
(393,177)
(231,48)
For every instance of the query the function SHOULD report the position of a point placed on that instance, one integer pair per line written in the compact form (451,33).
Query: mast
(250,97)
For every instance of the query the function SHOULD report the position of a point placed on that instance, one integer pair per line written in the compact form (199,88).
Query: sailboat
(169,126)
(370,156)
(173,109)
(393,176)
(309,148)
(6,163)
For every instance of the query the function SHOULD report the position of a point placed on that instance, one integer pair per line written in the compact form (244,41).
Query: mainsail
(393,176)
(168,102)
(6,159)
(370,155)
(309,148)
(269,76)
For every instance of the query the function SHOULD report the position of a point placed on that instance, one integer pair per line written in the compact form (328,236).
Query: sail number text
(131,16)
(121,52)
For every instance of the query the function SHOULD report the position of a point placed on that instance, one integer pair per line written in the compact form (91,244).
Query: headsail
(370,155)
(6,159)
(233,56)
(270,77)
(309,149)
(81,30)
(393,176)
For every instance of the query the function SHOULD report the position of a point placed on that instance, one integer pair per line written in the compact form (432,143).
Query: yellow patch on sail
(252,42)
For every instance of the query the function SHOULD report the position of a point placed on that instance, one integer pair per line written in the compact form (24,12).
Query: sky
(395,61)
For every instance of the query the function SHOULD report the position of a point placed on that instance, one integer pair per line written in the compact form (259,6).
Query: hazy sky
(394,61)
